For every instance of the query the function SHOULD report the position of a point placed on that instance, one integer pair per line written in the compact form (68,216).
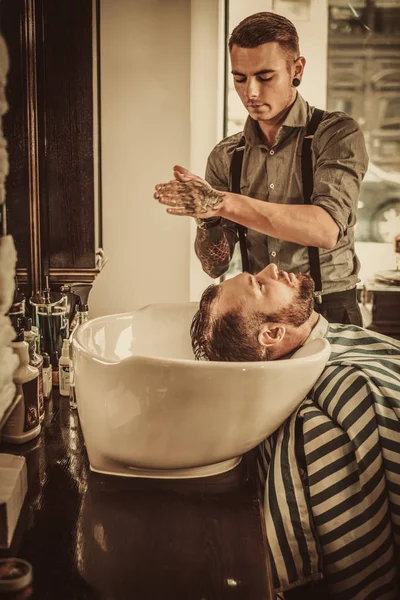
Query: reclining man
(332,470)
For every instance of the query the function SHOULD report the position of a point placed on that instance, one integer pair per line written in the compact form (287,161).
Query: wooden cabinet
(53,187)
(383,305)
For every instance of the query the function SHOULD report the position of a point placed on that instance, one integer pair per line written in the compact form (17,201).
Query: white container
(149,409)
(23,423)
(63,369)
(47,376)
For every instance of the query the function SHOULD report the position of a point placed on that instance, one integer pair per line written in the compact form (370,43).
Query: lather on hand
(189,195)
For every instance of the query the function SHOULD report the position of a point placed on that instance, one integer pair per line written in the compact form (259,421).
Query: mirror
(52,188)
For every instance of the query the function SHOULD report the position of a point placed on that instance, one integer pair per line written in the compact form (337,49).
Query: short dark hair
(264,27)
(227,337)
(233,336)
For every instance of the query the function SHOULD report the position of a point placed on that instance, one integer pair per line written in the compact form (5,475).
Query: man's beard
(302,307)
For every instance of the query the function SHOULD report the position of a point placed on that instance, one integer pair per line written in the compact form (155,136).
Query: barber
(286,187)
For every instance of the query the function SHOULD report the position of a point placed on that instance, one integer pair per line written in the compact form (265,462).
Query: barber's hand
(189,195)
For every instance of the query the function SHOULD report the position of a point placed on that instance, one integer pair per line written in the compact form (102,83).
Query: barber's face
(263,80)
(269,292)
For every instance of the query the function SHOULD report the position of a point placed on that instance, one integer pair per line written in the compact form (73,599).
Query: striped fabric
(332,474)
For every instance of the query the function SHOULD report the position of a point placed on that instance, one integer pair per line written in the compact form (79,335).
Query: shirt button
(273,254)
(271,185)
(271,152)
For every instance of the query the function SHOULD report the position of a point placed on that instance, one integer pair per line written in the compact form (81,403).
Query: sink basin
(149,409)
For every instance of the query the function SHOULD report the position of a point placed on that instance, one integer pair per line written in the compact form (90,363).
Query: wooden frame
(55,170)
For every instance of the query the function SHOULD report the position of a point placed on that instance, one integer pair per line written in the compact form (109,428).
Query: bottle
(81,291)
(72,397)
(47,376)
(397,251)
(54,369)
(63,369)
(31,336)
(38,362)
(23,423)
(17,309)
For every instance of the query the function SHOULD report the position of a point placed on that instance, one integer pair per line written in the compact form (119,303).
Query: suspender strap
(236,170)
(308,186)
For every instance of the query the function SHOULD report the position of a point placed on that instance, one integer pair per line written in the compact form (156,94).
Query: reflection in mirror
(51,132)
(364,81)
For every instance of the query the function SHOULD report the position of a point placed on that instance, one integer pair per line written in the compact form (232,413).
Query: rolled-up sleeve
(214,246)
(217,169)
(217,175)
(341,161)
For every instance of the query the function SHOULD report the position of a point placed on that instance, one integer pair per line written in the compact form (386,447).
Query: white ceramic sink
(149,409)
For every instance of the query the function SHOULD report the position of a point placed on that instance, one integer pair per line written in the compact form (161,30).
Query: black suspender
(236,171)
(308,184)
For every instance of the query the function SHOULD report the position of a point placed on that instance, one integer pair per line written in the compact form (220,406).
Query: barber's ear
(271,333)
(299,65)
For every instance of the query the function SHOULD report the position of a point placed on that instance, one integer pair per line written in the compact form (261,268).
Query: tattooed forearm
(212,249)
(198,196)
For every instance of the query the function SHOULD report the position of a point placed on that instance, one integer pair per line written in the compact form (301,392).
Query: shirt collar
(319,330)
(297,117)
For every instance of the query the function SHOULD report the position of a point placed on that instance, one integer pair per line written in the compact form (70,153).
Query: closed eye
(243,79)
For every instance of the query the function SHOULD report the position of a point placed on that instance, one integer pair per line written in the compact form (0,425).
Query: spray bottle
(64,365)
(80,314)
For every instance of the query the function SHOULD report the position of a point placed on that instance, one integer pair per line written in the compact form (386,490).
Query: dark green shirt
(273,174)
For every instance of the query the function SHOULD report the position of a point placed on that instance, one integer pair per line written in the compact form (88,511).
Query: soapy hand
(189,195)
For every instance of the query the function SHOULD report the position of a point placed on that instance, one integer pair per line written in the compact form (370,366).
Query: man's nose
(271,271)
(252,88)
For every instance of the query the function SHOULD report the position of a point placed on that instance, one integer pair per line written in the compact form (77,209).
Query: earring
(296,82)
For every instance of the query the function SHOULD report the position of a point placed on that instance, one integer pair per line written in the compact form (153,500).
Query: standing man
(291,210)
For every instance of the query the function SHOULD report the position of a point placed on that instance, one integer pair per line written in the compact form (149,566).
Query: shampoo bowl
(148,409)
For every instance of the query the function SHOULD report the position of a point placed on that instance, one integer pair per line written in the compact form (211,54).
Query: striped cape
(332,474)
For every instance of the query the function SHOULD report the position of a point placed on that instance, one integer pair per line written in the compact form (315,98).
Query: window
(364,81)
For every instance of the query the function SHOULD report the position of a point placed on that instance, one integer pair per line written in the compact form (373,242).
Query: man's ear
(271,334)
(299,65)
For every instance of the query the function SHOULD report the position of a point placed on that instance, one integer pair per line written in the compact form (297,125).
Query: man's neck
(308,327)
(270,128)
(295,337)
(269,132)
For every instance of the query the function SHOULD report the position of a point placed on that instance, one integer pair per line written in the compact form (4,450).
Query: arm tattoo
(212,248)
(199,196)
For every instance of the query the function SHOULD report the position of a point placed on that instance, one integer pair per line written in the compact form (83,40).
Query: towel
(8,261)
(4,64)
(8,363)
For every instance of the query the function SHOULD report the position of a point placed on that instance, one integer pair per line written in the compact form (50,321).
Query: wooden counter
(90,536)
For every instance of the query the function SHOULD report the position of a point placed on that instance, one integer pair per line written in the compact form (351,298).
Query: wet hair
(233,336)
(227,337)
(264,27)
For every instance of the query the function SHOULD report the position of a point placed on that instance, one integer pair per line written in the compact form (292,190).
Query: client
(332,470)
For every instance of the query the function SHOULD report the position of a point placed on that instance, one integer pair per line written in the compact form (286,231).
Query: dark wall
(49,129)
